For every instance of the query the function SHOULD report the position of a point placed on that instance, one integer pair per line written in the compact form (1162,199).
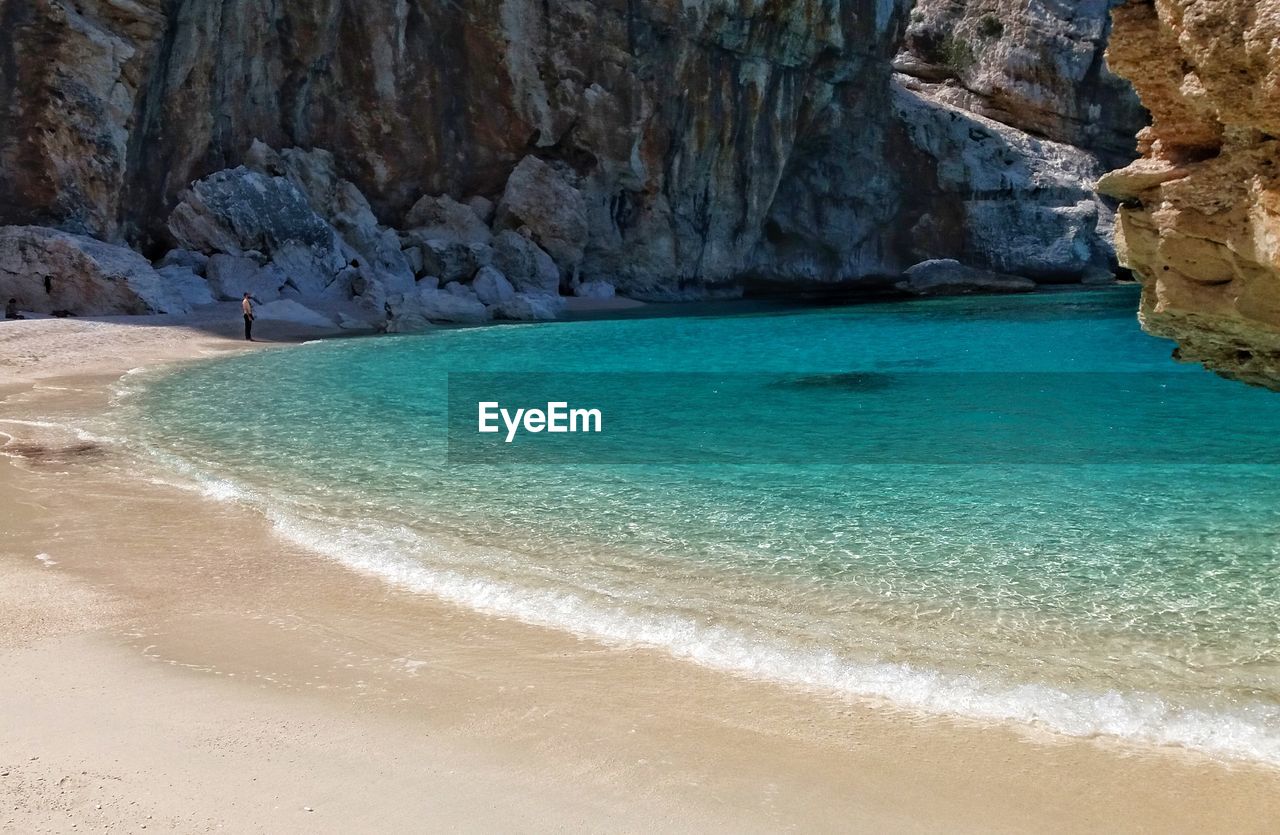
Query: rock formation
(1009,112)
(1199,221)
(670,149)
(47,270)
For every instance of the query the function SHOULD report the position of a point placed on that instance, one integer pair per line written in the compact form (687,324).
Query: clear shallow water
(1098,593)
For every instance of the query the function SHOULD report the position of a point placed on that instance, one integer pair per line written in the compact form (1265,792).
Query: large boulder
(947,277)
(530,307)
(238,211)
(183,281)
(430,304)
(491,287)
(541,197)
(48,270)
(445,258)
(308,270)
(362,240)
(194,261)
(231,276)
(287,310)
(525,264)
(445,218)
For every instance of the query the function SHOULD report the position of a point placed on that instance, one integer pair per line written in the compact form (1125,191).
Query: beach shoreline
(174,658)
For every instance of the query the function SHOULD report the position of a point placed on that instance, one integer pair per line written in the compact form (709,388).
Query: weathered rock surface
(1200,218)
(492,287)
(543,198)
(530,307)
(947,277)
(524,264)
(595,290)
(48,270)
(669,148)
(231,276)
(1008,114)
(287,310)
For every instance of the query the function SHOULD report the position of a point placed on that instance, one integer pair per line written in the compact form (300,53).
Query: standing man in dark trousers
(247,307)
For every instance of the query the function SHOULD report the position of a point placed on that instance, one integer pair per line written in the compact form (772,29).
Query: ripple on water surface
(1103,592)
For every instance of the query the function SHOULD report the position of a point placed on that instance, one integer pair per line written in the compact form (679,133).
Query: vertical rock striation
(1200,211)
(684,145)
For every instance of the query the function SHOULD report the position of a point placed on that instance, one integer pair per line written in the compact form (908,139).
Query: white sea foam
(1251,734)
(407,559)
(77,432)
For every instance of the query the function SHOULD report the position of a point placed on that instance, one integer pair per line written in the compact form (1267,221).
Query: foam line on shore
(409,560)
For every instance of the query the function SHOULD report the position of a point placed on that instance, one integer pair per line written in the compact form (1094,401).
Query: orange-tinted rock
(1200,221)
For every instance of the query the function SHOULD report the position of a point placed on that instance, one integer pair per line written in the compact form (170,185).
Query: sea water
(1015,509)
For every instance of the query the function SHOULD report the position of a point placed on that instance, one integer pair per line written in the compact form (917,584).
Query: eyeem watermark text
(557,417)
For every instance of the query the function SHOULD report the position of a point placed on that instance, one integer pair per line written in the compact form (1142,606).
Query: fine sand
(172,664)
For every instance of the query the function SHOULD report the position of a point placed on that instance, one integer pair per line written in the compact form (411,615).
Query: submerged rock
(48,270)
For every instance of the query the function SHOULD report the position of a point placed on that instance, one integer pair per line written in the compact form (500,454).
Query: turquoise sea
(1000,508)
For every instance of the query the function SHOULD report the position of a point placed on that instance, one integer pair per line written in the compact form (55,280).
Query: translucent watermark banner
(952,418)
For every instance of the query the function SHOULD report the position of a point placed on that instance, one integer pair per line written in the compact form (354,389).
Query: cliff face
(677,117)
(1200,213)
(696,141)
(1008,114)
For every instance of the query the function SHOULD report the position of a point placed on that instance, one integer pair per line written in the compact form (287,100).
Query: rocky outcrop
(1007,114)
(47,271)
(946,277)
(668,148)
(1199,221)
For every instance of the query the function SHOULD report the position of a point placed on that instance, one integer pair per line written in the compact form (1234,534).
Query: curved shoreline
(229,600)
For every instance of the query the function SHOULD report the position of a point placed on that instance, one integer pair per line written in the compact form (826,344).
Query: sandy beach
(174,665)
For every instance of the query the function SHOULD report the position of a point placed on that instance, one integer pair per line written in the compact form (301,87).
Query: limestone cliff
(1200,214)
(683,144)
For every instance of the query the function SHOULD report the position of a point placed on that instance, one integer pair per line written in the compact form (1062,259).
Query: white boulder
(287,310)
(530,307)
(191,288)
(231,276)
(491,286)
(48,270)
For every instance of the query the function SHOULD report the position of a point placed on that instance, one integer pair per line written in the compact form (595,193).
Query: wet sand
(173,663)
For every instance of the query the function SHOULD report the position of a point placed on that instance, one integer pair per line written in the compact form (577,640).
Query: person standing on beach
(11,310)
(247,307)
